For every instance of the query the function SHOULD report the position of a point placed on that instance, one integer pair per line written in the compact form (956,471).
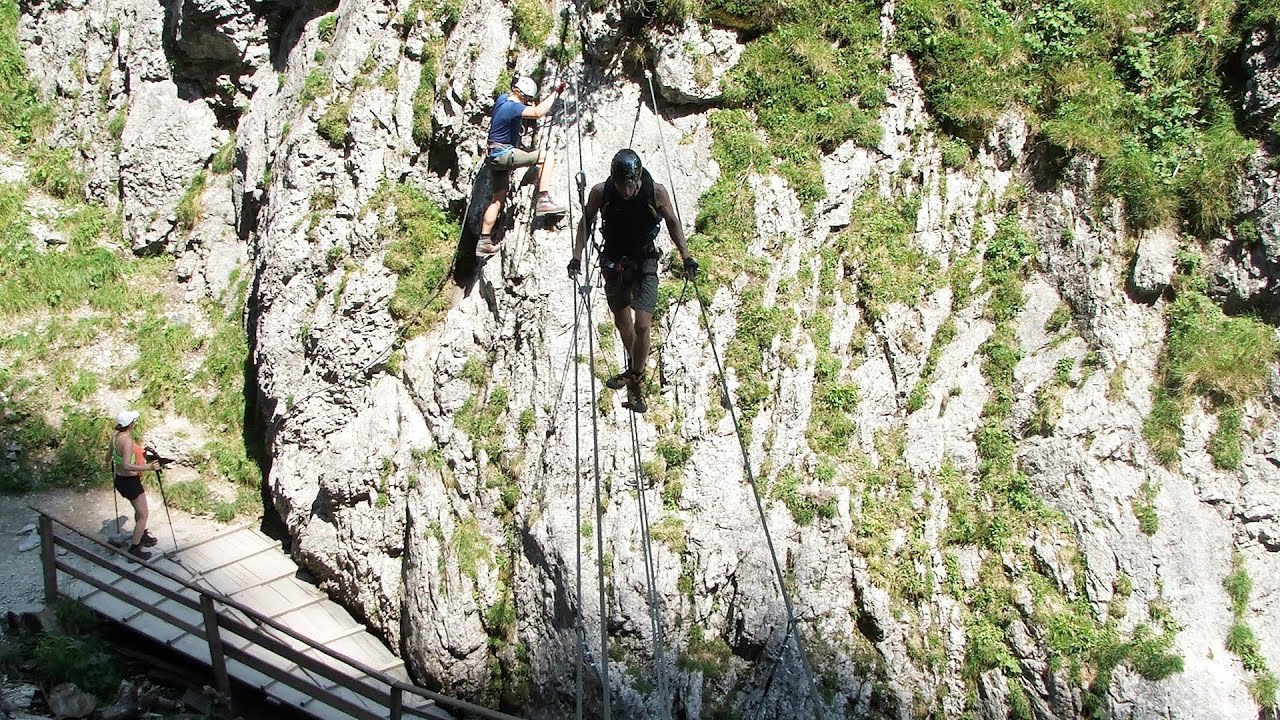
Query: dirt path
(92,512)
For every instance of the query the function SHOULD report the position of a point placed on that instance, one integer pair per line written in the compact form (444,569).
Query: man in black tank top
(632,207)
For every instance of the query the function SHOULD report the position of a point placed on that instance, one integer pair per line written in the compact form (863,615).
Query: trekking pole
(115,501)
(151,455)
(165,501)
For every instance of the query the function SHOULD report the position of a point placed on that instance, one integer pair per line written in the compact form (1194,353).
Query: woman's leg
(140,515)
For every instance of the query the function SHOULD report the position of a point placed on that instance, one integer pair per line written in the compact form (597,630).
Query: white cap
(126,418)
(527,87)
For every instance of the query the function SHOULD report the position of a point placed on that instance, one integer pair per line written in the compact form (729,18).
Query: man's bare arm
(585,226)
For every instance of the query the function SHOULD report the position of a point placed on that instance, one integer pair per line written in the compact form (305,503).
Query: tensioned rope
(582,301)
(793,628)
(650,570)
(646,540)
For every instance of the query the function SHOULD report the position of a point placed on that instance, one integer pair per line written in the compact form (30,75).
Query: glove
(691,268)
(560,88)
(574,267)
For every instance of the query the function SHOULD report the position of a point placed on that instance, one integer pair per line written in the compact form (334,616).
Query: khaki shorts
(500,167)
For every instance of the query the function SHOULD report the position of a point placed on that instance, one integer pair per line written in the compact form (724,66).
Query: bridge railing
(401,699)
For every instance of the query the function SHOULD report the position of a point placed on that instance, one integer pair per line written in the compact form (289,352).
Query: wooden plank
(278,597)
(206,561)
(255,570)
(216,548)
(366,648)
(377,708)
(324,620)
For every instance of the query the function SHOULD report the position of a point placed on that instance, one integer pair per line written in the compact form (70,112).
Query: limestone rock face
(442,483)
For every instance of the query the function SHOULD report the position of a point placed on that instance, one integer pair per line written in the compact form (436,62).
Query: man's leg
(626,330)
(546,170)
(642,324)
(495,207)
(546,174)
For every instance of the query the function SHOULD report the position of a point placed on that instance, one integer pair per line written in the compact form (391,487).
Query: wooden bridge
(234,602)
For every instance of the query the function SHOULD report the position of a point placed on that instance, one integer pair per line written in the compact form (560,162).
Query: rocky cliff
(1012,457)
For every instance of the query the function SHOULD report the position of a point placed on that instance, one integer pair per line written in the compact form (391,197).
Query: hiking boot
(635,401)
(138,552)
(148,540)
(619,381)
(486,247)
(547,206)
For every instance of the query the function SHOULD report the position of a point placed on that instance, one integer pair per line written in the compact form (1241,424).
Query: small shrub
(332,124)
(86,661)
(1238,586)
(1224,358)
(532,21)
(1226,446)
(225,158)
(1162,427)
(316,85)
(420,253)
(53,170)
(425,94)
(1144,508)
(326,27)
(190,204)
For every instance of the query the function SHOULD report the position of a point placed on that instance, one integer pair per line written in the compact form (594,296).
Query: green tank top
(117,459)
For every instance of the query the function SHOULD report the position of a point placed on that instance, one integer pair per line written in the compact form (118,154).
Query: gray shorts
(500,167)
(630,282)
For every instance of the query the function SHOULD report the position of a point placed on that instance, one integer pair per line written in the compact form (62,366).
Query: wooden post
(48,558)
(217,661)
(397,702)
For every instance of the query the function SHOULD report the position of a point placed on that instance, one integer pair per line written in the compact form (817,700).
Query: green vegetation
(23,115)
(190,204)
(670,531)
(471,548)
(945,334)
(316,85)
(79,656)
(224,160)
(326,27)
(420,251)
(532,21)
(813,79)
(886,267)
(710,656)
(1220,358)
(804,505)
(425,94)
(333,122)
(1144,508)
(482,422)
(1226,446)
(1240,638)
(1147,98)
(757,327)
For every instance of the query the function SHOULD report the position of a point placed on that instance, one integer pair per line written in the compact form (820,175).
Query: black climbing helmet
(625,167)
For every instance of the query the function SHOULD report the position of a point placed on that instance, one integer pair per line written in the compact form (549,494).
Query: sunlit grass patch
(421,246)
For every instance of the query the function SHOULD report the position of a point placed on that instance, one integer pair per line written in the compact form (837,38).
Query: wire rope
(651,578)
(793,628)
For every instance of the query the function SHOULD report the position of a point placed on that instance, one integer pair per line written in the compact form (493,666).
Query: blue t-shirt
(505,126)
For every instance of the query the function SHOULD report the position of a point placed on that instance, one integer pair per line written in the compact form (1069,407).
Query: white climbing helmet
(526,87)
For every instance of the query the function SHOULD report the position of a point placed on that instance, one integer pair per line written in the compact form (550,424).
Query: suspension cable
(792,626)
(582,299)
(651,574)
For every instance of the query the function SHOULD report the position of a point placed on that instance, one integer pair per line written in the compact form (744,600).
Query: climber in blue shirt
(505,153)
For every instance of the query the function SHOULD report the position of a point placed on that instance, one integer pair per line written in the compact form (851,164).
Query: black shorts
(130,486)
(630,282)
